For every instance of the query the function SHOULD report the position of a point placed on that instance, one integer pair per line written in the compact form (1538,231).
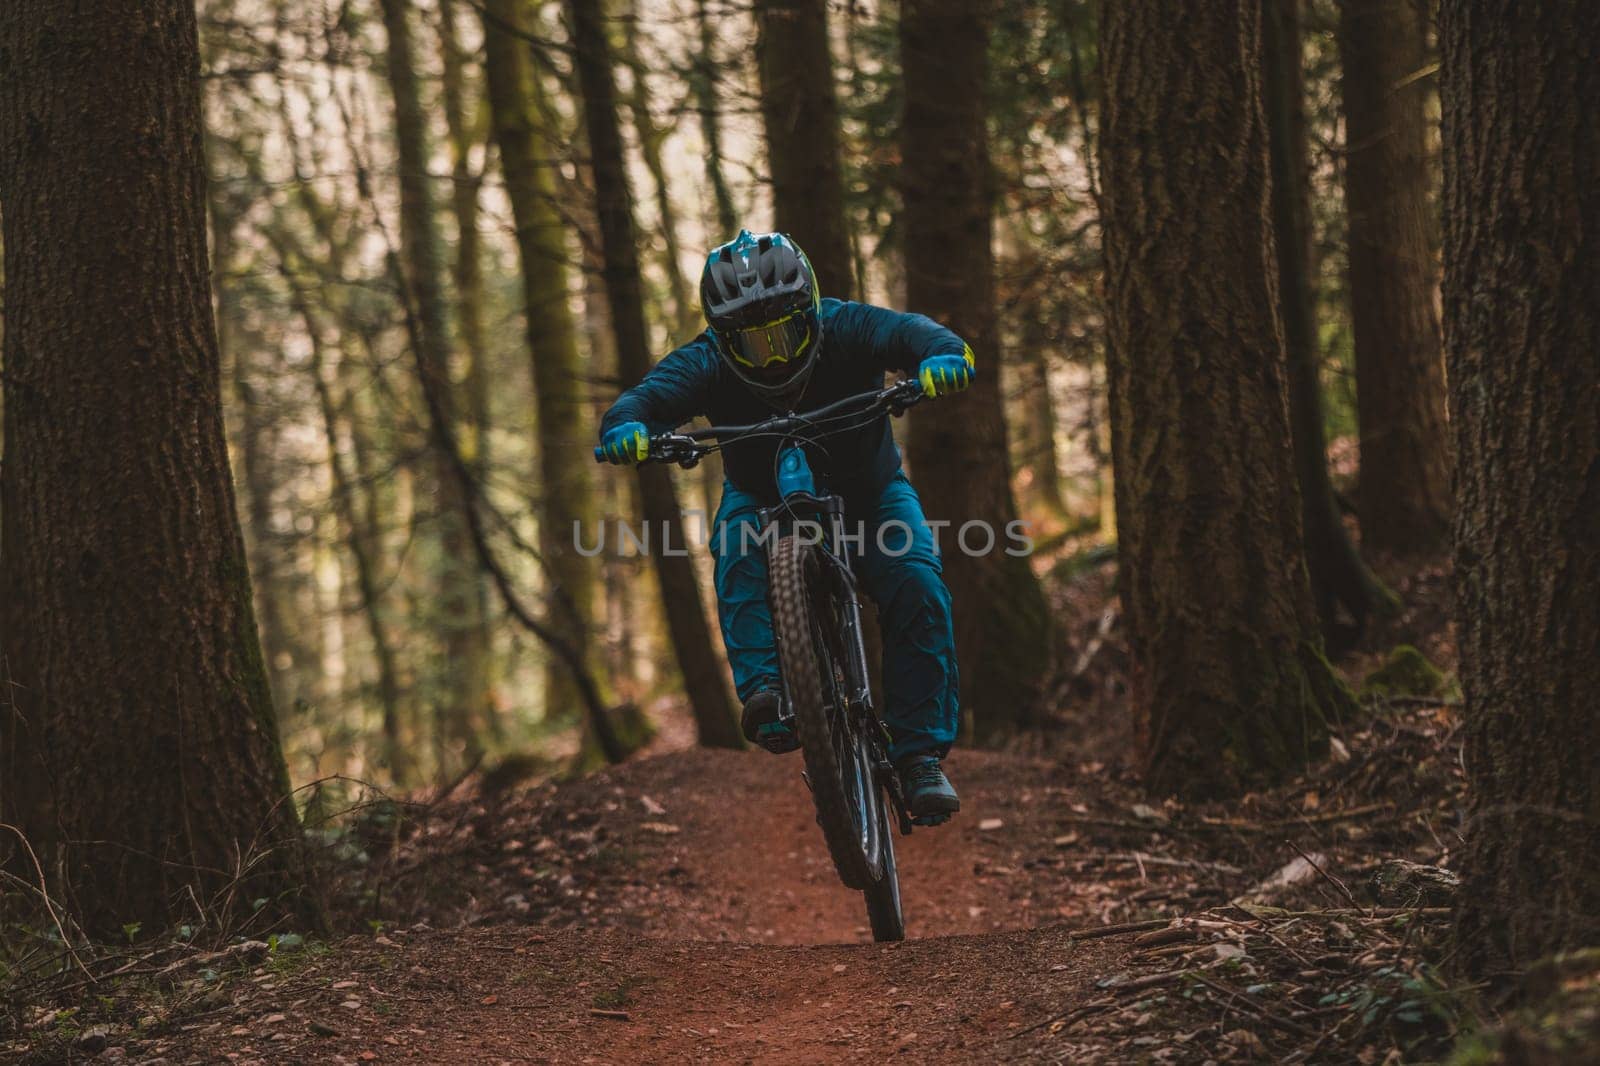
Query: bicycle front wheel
(806,617)
(883,895)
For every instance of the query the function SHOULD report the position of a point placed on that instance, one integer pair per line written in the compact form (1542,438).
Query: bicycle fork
(861,706)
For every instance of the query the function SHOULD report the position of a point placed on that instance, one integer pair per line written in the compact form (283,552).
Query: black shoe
(766,723)
(929,795)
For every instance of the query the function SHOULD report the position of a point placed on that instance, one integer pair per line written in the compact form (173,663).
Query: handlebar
(687,449)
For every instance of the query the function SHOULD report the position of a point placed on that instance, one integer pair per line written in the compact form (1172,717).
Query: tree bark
(528,159)
(1340,580)
(141,756)
(1404,498)
(801,116)
(1522,328)
(462,702)
(680,592)
(1232,687)
(958,447)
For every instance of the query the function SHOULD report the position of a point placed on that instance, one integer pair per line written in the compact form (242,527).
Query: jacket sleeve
(899,340)
(674,391)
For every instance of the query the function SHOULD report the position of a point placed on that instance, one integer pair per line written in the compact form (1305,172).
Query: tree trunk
(1404,498)
(141,755)
(709,105)
(466,132)
(1522,328)
(1232,687)
(958,447)
(1041,422)
(685,308)
(680,592)
(463,697)
(528,158)
(703,86)
(801,116)
(1339,578)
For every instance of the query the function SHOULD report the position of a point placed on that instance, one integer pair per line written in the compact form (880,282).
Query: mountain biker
(773,345)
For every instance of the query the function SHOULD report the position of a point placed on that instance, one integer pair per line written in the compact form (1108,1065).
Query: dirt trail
(727,938)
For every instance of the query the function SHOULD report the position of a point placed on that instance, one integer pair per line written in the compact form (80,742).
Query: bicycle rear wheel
(806,617)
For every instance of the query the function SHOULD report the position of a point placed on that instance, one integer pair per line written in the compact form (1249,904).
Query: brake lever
(674,448)
(905,398)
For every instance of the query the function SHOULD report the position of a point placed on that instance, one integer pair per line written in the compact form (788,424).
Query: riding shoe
(766,724)
(930,797)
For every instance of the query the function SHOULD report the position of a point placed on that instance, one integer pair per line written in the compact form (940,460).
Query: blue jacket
(860,343)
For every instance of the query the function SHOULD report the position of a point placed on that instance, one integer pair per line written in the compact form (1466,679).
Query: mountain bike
(816,617)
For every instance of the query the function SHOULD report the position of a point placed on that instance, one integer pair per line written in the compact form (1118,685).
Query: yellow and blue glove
(624,444)
(941,375)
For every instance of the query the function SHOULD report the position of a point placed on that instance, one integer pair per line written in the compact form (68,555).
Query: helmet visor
(774,350)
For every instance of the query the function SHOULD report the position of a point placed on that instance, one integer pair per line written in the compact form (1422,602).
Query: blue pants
(898,565)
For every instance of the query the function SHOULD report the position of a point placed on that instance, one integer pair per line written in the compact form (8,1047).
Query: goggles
(767,347)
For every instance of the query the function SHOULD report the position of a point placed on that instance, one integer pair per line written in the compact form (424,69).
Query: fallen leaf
(990,824)
(1297,871)
(651,807)
(490,1000)
(662,828)
(1147,813)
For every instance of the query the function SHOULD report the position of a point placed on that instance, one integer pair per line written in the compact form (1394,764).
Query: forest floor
(712,929)
(681,907)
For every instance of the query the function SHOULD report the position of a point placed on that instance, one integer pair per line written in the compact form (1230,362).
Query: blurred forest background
(390,655)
